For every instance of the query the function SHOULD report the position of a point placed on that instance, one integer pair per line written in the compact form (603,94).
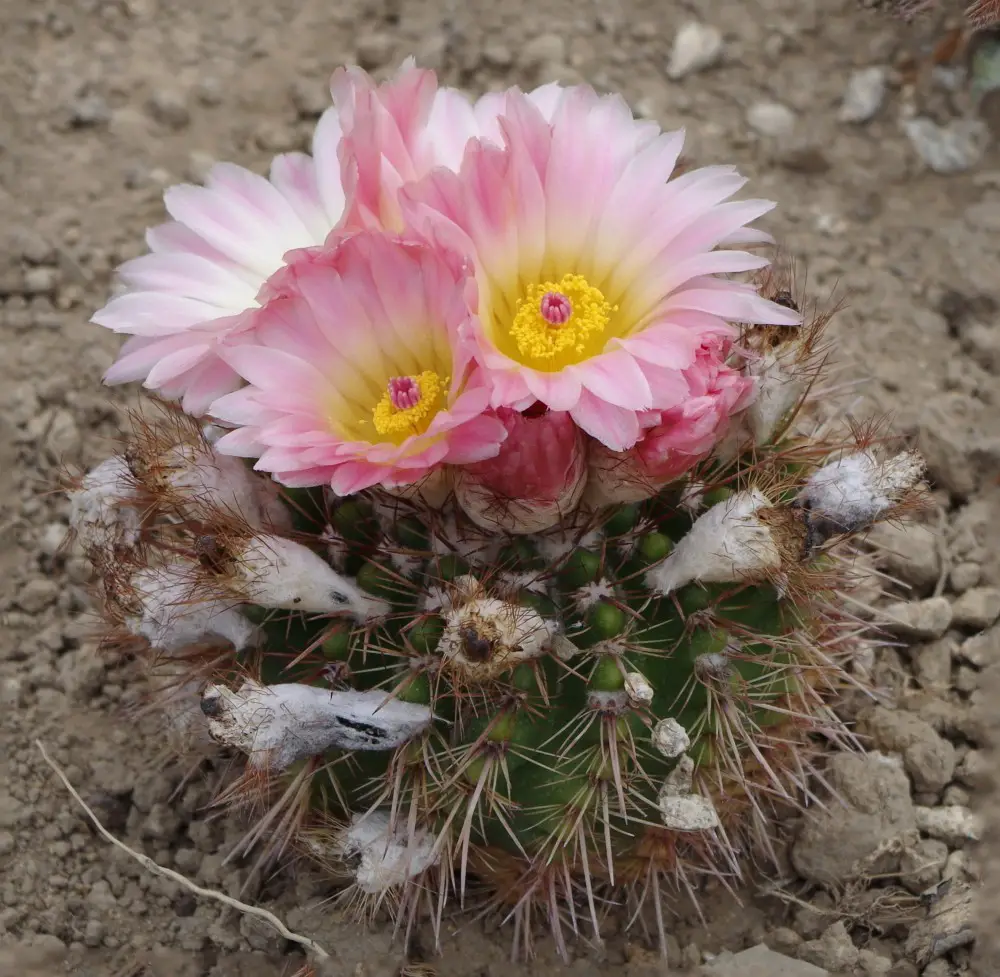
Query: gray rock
(873,964)
(932,662)
(81,674)
(929,758)
(41,281)
(89,110)
(834,840)
(497,55)
(771,119)
(908,552)
(918,619)
(38,594)
(542,51)
(977,608)
(965,575)
(864,95)
(948,925)
(169,107)
(922,864)
(981,649)
(953,825)
(903,968)
(834,950)
(975,770)
(952,148)
(199,164)
(759,961)
(696,47)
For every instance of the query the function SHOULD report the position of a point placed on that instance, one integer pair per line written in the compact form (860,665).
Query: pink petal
(615,427)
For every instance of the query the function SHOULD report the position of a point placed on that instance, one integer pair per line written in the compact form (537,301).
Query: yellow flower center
(408,405)
(555,321)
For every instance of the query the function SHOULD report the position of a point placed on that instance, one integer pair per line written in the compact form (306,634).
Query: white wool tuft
(177,612)
(726,543)
(276,725)
(275,572)
(387,858)
(103,509)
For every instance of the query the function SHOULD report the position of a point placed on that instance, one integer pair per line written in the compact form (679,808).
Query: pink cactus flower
(358,375)
(205,267)
(675,440)
(599,277)
(536,479)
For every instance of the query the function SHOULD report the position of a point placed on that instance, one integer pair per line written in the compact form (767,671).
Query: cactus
(577,665)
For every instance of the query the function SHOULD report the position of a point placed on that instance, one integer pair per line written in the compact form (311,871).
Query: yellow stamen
(395,422)
(540,338)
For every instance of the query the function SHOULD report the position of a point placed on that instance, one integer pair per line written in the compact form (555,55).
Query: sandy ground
(104,102)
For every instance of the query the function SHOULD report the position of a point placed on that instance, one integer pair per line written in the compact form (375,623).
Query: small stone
(101,897)
(936,968)
(922,864)
(952,148)
(6,842)
(93,934)
(162,823)
(871,808)
(966,679)
(696,47)
(199,164)
(918,619)
(169,107)
(41,281)
(977,608)
(947,926)
(975,771)
(209,91)
(981,649)
(903,968)
(52,538)
(542,51)
(771,119)
(953,825)
(784,940)
(374,49)
(965,575)
(81,674)
(260,935)
(310,98)
(834,950)
(929,758)
(801,156)
(274,137)
(37,594)
(908,552)
(759,961)
(873,964)
(89,110)
(932,662)
(864,95)
(497,55)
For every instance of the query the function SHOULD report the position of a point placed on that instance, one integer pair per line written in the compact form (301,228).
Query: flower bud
(534,482)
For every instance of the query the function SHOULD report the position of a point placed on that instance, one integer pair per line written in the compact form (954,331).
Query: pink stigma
(404,392)
(555,308)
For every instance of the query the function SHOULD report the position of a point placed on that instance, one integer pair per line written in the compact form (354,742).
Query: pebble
(771,119)
(922,864)
(975,771)
(834,950)
(169,107)
(374,49)
(965,575)
(275,137)
(38,594)
(310,98)
(696,47)
(62,440)
(199,163)
(928,757)
(40,281)
(981,649)
(918,619)
(759,961)
(947,927)
(908,552)
(89,110)
(876,810)
(873,964)
(952,148)
(497,55)
(542,51)
(953,825)
(864,95)
(932,662)
(977,608)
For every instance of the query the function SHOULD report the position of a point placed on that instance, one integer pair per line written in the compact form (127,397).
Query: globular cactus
(573,649)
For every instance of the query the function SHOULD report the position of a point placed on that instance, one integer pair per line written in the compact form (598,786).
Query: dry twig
(144,860)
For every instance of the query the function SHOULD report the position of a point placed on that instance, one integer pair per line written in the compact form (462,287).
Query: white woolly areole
(692,498)
(276,725)
(727,543)
(589,594)
(102,510)
(670,738)
(638,688)
(680,809)
(485,636)
(275,572)
(855,491)
(781,383)
(177,611)
(556,546)
(205,480)
(387,859)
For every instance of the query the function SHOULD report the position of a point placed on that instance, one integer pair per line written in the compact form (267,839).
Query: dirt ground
(104,102)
